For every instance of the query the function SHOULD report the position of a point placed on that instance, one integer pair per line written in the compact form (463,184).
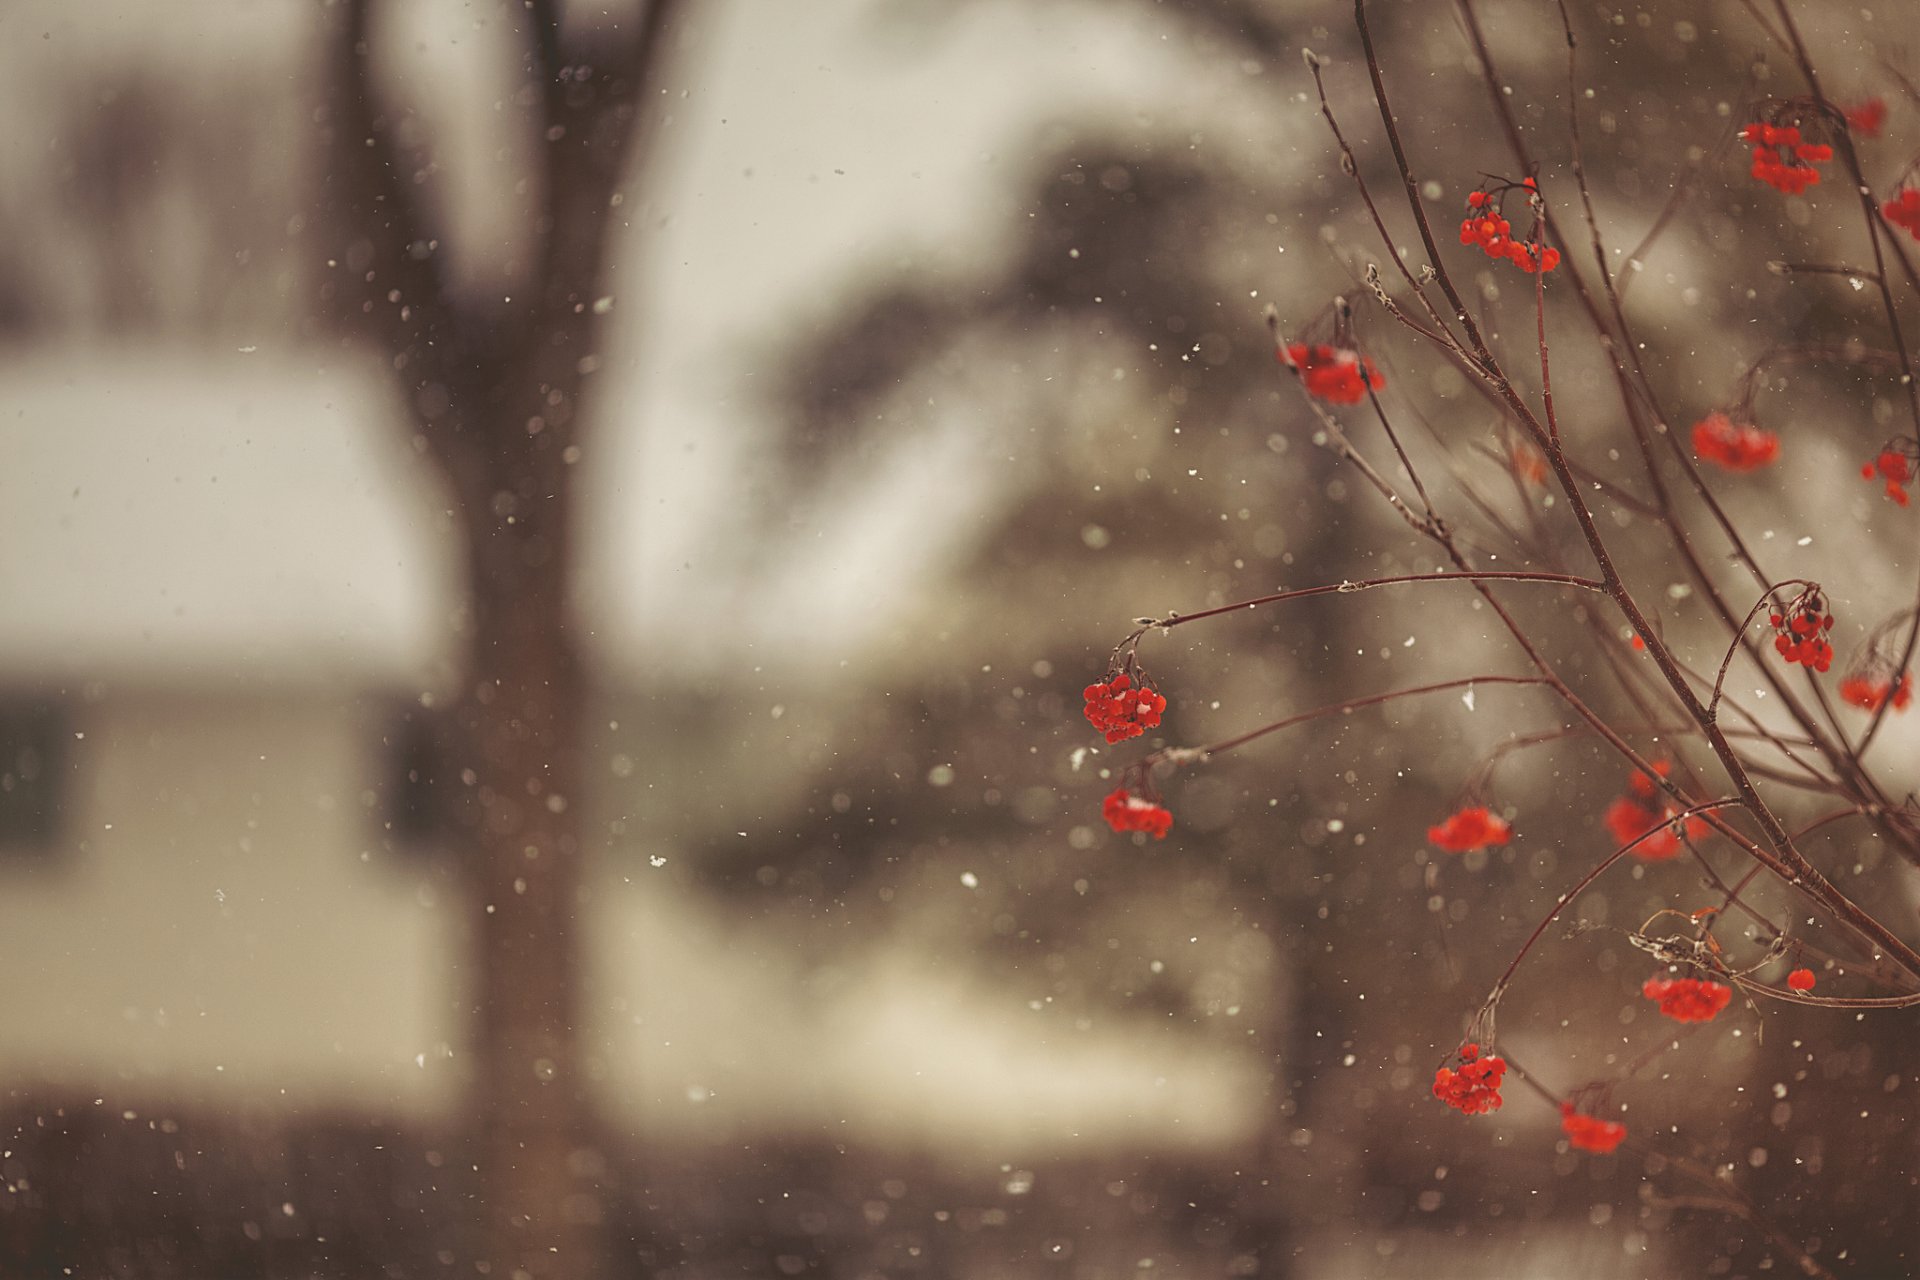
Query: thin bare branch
(1199,755)
(1173,620)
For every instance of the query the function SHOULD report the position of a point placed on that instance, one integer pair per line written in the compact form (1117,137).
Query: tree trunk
(496,390)
(521,719)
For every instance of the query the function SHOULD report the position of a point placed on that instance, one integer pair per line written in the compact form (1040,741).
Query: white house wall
(218,921)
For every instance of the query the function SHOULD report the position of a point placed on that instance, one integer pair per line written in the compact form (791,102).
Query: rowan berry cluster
(1337,375)
(1904,211)
(1895,465)
(1782,159)
(1126,812)
(1590,1133)
(1734,446)
(1484,226)
(1867,118)
(1867,691)
(1687,999)
(1528,463)
(1474,828)
(1120,711)
(1800,634)
(1633,815)
(1475,1088)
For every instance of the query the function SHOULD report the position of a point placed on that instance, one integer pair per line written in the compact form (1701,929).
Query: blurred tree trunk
(498,392)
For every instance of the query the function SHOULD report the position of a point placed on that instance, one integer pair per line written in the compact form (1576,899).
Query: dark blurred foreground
(92,1191)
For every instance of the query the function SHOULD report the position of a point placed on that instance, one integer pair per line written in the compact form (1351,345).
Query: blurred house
(233,599)
(227,596)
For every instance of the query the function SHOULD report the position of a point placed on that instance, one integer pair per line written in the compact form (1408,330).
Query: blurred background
(540,690)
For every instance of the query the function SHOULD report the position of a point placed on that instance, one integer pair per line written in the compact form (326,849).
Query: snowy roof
(174,515)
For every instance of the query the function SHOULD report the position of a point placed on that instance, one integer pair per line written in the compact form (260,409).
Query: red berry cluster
(1638,812)
(1590,1133)
(1800,634)
(1867,691)
(1867,118)
(1125,812)
(1688,999)
(1736,446)
(1904,211)
(1528,462)
(1334,374)
(1771,145)
(1475,1088)
(1469,829)
(1485,227)
(1120,711)
(1800,980)
(1895,465)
